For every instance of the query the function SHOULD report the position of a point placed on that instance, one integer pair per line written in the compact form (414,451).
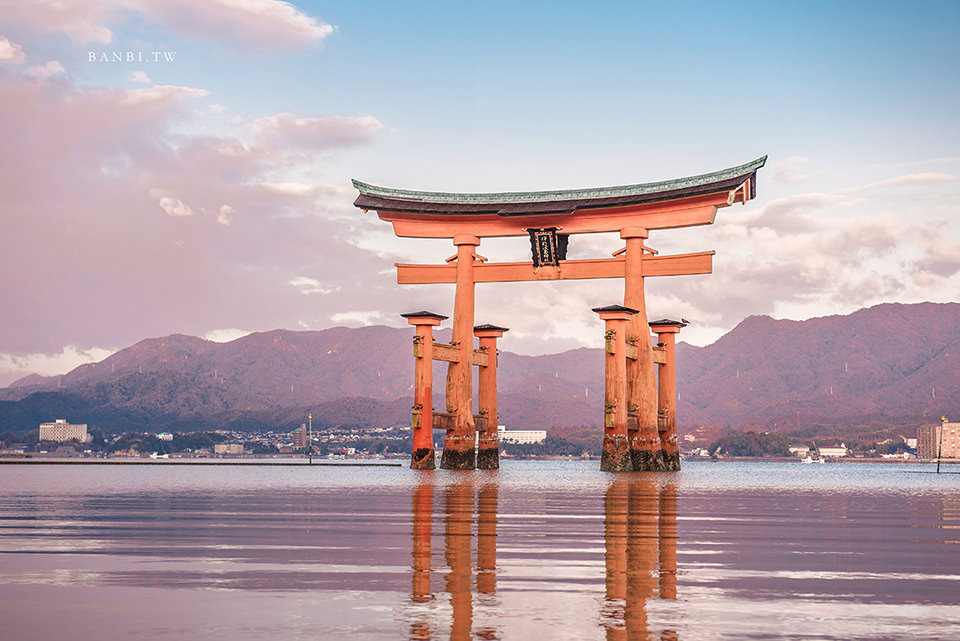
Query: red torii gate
(634,409)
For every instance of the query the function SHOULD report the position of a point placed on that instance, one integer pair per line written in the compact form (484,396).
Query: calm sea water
(537,550)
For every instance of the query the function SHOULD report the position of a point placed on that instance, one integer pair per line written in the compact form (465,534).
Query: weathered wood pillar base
(423,459)
(671,461)
(615,456)
(645,452)
(644,461)
(659,462)
(488,456)
(459,453)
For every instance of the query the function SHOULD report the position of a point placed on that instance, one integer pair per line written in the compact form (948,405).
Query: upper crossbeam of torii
(634,415)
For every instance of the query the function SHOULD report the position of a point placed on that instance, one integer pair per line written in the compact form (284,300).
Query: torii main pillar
(641,378)
(459,446)
(549,218)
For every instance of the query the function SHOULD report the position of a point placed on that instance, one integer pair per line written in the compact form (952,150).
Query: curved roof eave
(375,197)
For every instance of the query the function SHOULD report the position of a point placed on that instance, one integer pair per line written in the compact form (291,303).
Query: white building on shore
(935,441)
(520,436)
(833,451)
(61,431)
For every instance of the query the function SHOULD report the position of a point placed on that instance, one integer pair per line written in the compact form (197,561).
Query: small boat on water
(810,459)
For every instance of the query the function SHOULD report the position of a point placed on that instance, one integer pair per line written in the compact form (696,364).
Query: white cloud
(14,366)
(140,76)
(174,206)
(290,188)
(225,215)
(309,286)
(10,51)
(357,318)
(225,335)
(48,70)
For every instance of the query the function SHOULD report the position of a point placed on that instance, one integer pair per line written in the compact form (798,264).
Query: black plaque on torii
(547,246)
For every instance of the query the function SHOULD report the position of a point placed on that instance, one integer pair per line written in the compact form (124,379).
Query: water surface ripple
(555,549)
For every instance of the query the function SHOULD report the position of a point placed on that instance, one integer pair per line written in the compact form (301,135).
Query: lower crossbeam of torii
(639,414)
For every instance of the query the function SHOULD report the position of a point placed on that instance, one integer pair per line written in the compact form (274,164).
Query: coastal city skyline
(185,168)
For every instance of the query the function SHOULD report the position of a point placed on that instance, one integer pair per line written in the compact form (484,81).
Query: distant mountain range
(887,365)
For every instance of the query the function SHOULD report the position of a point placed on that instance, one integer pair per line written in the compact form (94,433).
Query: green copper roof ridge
(561,194)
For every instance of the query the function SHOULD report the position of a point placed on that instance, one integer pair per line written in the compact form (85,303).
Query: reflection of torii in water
(632,440)
(640,555)
(459,513)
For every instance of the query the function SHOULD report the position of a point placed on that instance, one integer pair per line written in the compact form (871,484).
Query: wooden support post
(641,378)
(666,331)
(488,445)
(422,420)
(615,456)
(459,451)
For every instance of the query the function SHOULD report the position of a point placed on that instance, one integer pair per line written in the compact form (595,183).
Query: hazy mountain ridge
(889,363)
(882,361)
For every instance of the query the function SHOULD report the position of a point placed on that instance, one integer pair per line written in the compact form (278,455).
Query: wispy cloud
(357,317)
(288,131)
(928,178)
(307,285)
(47,70)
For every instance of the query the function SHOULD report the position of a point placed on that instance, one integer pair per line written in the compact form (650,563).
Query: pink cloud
(259,24)
(81,21)
(262,24)
(46,71)
(315,133)
(97,180)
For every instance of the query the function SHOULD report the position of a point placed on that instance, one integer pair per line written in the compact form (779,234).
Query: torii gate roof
(657,205)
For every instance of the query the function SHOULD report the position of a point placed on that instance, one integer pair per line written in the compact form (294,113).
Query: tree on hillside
(760,444)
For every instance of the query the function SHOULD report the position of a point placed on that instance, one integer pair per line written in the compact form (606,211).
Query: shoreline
(196,462)
(286,462)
